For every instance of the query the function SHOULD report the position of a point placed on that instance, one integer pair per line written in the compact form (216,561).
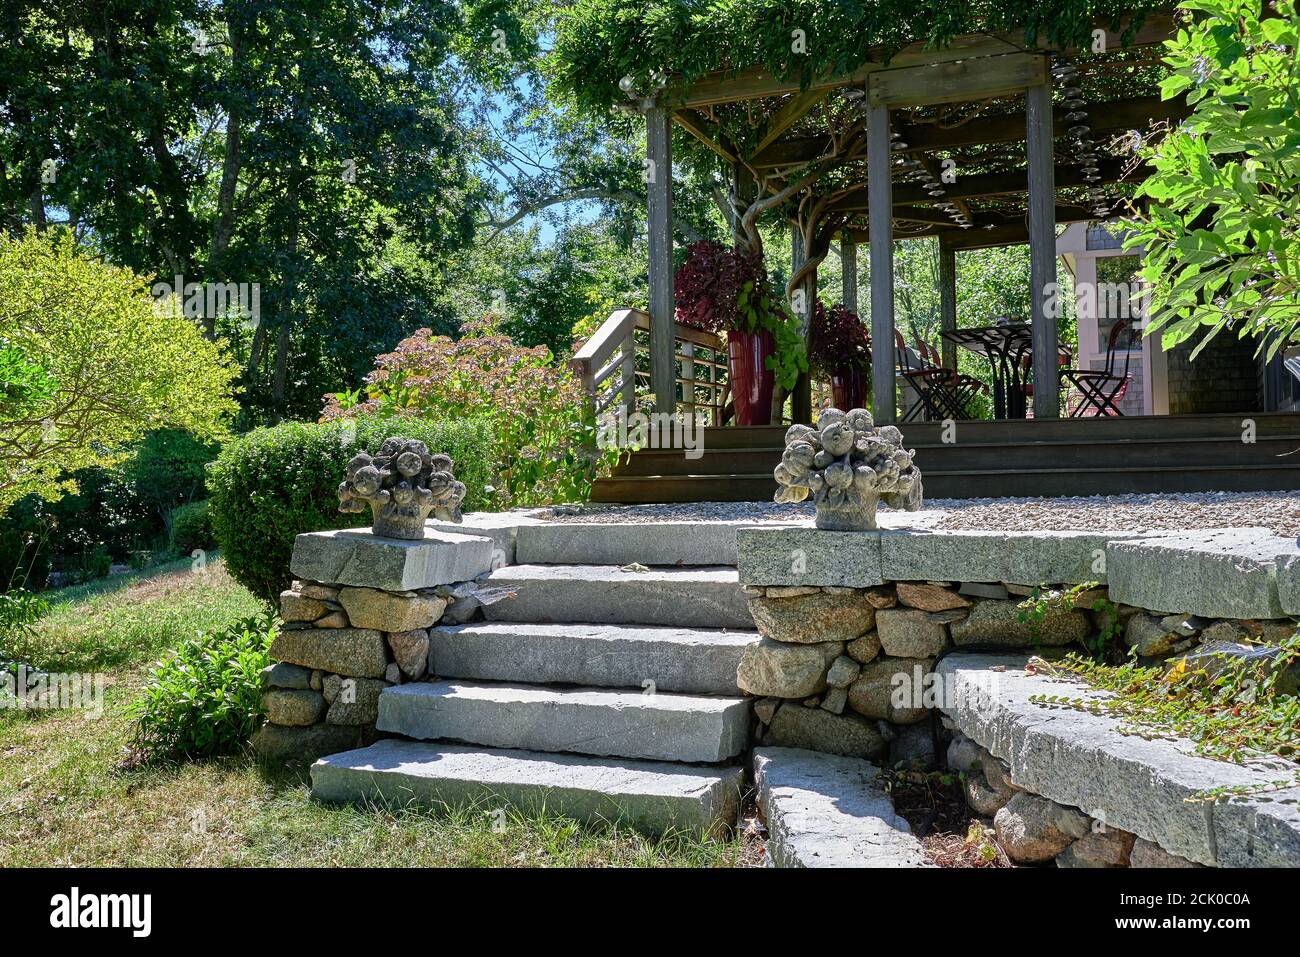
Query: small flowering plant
(839,342)
(542,427)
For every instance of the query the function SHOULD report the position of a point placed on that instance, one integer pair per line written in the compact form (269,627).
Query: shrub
(19,610)
(542,428)
(205,698)
(191,528)
(839,340)
(169,469)
(273,484)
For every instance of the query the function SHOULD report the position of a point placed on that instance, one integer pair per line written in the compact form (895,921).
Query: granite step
(685,660)
(648,795)
(704,597)
(824,810)
(626,724)
(621,543)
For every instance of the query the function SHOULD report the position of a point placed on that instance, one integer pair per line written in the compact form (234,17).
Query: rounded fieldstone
(781,670)
(887,680)
(317,590)
(864,649)
(284,675)
(814,729)
(1109,847)
(811,618)
(390,611)
(842,672)
(410,651)
(1149,637)
(910,633)
(1033,830)
(929,597)
(297,607)
(346,651)
(353,700)
(997,624)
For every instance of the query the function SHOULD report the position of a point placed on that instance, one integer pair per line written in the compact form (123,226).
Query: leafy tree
(1220,232)
(303,145)
(117,366)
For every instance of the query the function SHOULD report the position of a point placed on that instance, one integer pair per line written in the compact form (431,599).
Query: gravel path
(1279,511)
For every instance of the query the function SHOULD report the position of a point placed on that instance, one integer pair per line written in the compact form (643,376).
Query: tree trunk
(224,226)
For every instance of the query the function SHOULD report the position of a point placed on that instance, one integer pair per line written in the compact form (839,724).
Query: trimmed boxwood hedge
(275,483)
(191,527)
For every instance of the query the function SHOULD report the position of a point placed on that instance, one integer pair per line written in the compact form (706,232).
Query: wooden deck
(1060,457)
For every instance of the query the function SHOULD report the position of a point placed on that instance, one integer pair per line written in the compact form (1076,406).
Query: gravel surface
(1279,511)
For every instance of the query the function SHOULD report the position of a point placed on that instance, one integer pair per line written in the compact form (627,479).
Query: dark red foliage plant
(707,287)
(840,341)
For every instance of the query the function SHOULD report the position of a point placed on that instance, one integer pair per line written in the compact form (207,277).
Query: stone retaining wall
(847,664)
(360,627)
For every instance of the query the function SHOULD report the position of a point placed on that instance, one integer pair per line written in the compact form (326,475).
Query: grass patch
(132,619)
(69,797)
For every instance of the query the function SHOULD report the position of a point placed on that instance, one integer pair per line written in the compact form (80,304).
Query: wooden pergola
(982,143)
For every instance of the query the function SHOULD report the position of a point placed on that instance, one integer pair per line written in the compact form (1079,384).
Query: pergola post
(880,204)
(849,274)
(1042,249)
(659,208)
(947,302)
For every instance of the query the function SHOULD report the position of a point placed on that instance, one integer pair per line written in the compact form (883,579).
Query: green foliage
(543,431)
(1230,707)
(204,699)
(1033,612)
(275,483)
(169,469)
(191,528)
(19,611)
(1220,233)
(117,367)
(762,310)
(598,42)
(212,139)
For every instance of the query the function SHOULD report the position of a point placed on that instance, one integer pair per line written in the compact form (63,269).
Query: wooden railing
(614,365)
(606,363)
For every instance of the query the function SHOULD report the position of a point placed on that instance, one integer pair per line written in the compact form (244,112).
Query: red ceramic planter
(752,381)
(849,389)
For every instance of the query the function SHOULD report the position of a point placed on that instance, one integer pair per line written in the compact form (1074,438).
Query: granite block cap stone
(359,557)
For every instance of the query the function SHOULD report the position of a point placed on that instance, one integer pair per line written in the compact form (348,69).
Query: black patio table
(1005,348)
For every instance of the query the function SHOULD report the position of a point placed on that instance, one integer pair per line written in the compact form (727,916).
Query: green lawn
(68,797)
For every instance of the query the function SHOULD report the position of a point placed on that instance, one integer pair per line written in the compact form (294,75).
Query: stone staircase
(596,688)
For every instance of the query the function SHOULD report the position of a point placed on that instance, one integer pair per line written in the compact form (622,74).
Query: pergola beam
(694,122)
(980,185)
(961,81)
(756,82)
(998,128)
(791,111)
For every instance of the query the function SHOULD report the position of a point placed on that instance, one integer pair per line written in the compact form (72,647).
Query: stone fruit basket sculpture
(847,465)
(402,485)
